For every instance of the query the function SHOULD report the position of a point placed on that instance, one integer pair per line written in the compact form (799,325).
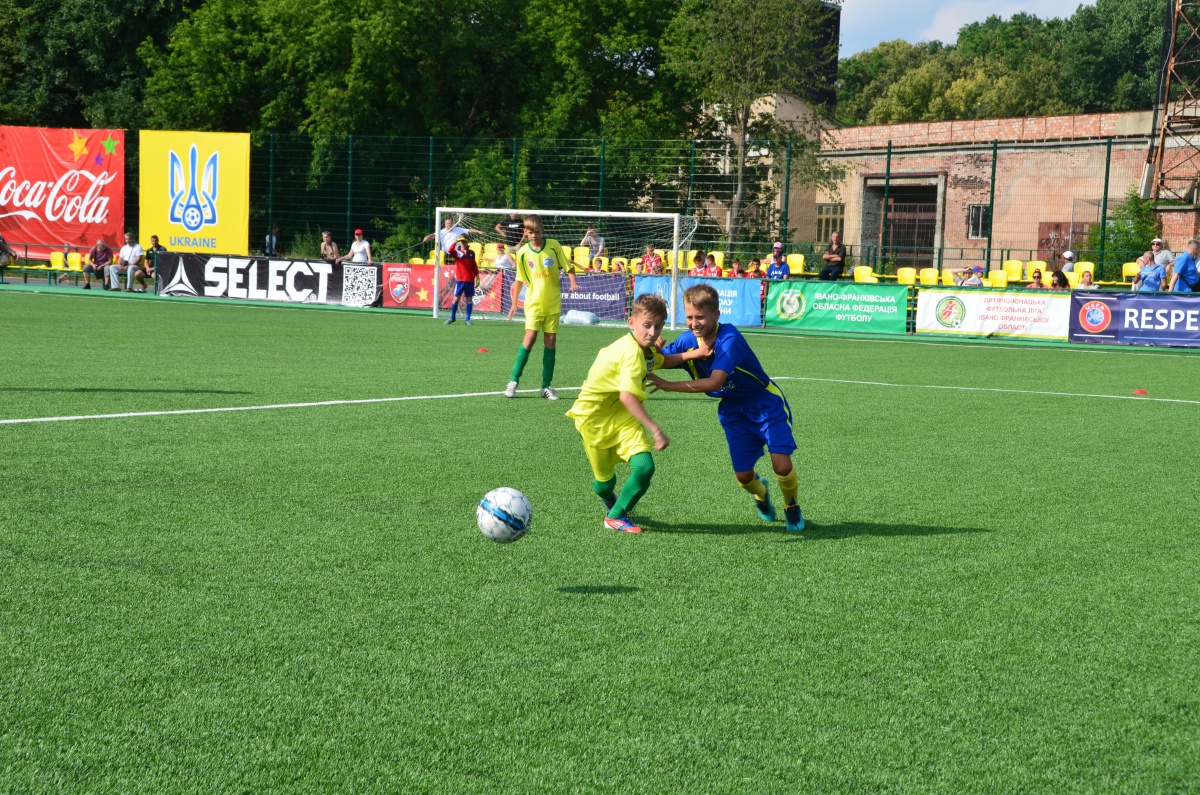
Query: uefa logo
(1095,316)
(193,201)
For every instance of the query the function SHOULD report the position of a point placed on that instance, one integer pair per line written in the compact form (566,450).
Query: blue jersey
(747,380)
(1189,277)
(778,270)
(1152,277)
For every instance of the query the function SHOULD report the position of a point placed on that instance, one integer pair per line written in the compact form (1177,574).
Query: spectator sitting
(1068,261)
(1185,278)
(736,271)
(1037,283)
(1151,276)
(99,259)
(64,276)
(752,269)
(710,269)
(778,268)
(835,259)
(360,250)
(593,241)
(697,265)
(652,264)
(1058,281)
(8,256)
(1086,283)
(969,277)
(504,260)
(329,249)
(132,260)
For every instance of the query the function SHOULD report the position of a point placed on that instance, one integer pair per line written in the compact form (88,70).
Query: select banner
(1136,318)
(61,186)
(195,190)
(262,279)
(605,294)
(838,306)
(740,299)
(979,312)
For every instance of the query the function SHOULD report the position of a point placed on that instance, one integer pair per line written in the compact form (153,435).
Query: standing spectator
(1036,283)
(449,234)
(835,259)
(1086,283)
(513,230)
(1152,275)
(271,247)
(99,259)
(736,271)
(1068,262)
(360,250)
(1184,276)
(652,264)
(777,267)
(504,260)
(130,259)
(1059,281)
(329,249)
(1162,255)
(594,242)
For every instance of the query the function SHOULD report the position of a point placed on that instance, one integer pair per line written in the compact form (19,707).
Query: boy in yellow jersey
(610,417)
(539,262)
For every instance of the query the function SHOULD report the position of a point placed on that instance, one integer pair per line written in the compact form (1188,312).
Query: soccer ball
(504,515)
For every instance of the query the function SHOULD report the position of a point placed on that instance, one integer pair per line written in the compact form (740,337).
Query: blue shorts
(751,425)
(464,288)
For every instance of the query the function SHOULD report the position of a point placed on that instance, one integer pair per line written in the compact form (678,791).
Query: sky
(865,23)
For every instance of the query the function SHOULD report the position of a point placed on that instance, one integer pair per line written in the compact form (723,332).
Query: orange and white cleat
(623,524)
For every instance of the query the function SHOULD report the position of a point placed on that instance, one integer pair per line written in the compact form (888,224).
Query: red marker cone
(1140,392)
(482,350)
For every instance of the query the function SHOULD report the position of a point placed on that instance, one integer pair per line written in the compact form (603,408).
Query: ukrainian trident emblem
(193,202)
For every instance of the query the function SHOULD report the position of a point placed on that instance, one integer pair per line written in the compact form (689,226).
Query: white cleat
(549,394)
(511,389)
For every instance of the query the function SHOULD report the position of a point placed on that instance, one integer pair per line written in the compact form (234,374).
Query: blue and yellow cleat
(795,519)
(766,511)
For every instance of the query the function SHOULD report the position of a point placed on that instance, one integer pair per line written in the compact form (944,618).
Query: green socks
(605,490)
(641,471)
(519,365)
(547,366)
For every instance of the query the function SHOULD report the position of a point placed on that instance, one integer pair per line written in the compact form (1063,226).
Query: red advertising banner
(411,287)
(61,186)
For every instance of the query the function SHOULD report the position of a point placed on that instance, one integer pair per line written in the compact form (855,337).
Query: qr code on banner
(360,285)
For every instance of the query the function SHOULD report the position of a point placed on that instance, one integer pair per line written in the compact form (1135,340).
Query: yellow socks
(757,488)
(789,484)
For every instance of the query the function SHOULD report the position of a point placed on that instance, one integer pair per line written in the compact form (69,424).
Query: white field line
(989,389)
(172,412)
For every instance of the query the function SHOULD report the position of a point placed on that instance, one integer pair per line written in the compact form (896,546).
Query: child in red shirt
(466,277)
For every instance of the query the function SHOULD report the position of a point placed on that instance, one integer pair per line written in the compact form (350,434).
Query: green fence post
(691,177)
(513,202)
(1104,208)
(991,205)
(787,195)
(601,175)
(887,184)
(270,193)
(349,182)
(429,185)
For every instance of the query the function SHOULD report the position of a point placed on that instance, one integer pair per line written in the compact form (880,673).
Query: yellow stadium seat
(719,256)
(415,261)
(1072,279)
(863,275)
(662,253)
(1035,265)
(689,259)
(433,258)
(997,277)
(490,251)
(56,260)
(1130,270)
(905,275)
(1090,267)
(477,248)
(582,256)
(795,264)
(75,262)
(948,277)
(1014,268)
(929,276)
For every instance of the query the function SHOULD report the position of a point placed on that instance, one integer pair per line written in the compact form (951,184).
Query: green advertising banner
(838,306)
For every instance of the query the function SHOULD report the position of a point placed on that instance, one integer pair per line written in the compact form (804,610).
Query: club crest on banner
(951,312)
(193,201)
(791,304)
(399,286)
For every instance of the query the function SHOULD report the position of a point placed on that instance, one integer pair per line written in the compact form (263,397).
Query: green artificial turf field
(998,590)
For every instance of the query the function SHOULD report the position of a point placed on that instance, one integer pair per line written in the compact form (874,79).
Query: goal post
(604,263)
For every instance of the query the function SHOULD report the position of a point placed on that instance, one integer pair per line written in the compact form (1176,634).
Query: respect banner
(61,186)
(605,294)
(262,279)
(979,312)
(838,306)
(740,299)
(1171,319)
(195,190)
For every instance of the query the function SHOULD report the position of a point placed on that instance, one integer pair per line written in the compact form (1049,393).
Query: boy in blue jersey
(753,410)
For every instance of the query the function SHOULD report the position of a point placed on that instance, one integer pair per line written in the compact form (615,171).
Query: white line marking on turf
(270,406)
(987,389)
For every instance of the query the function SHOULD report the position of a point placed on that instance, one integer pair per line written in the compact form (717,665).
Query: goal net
(607,251)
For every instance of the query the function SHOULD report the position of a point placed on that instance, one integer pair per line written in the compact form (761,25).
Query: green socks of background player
(789,484)
(547,365)
(641,471)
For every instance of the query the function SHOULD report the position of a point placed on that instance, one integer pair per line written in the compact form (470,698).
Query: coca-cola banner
(61,186)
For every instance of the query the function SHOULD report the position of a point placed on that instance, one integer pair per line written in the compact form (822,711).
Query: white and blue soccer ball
(504,515)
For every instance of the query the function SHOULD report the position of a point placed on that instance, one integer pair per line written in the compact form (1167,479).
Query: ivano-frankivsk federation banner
(838,306)
(61,186)
(980,312)
(195,190)
(263,279)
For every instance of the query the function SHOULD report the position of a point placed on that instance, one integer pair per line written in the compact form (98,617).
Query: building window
(830,218)
(979,221)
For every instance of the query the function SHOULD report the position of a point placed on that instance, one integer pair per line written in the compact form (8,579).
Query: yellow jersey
(539,269)
(620,367)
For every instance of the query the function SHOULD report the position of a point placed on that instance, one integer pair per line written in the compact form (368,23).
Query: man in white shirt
(128,260)
(593,241)
(449,235)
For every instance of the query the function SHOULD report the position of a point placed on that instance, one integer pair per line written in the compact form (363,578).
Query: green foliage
(1132,224)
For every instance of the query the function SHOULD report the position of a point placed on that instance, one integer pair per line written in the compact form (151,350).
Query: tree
(1131,226)
(736,52)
